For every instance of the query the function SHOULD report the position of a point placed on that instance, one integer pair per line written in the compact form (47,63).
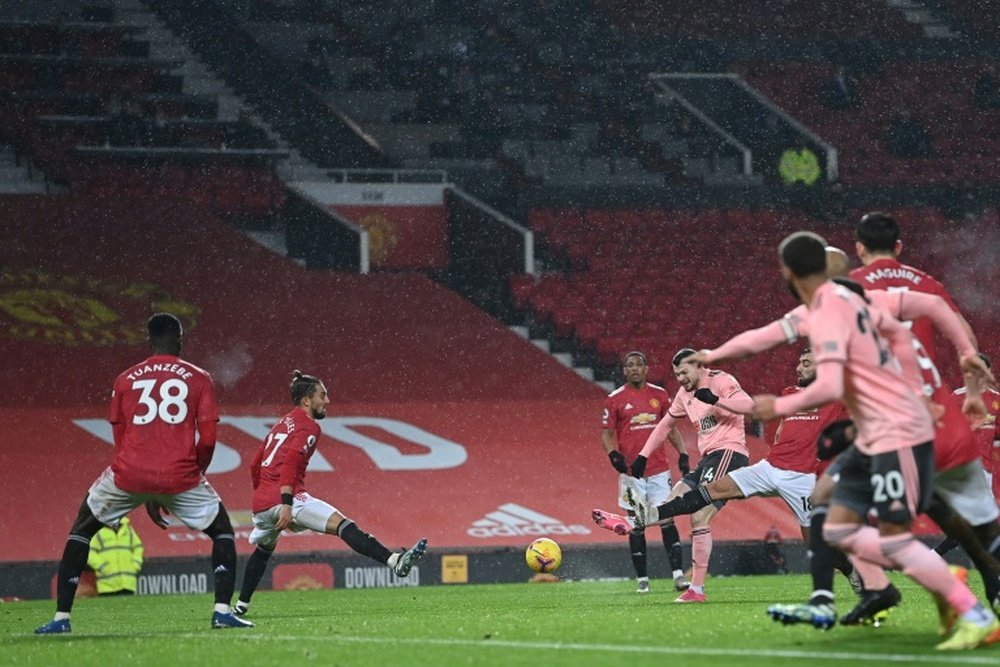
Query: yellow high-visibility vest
(116,558)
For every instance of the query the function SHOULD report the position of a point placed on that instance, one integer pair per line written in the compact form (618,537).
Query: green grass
(593,623)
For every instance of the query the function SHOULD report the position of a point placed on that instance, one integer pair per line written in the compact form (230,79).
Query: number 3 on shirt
(171,407)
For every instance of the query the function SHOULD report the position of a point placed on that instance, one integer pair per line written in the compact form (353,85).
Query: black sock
(689,503)
(362,542)
(823,555)
(224,566)
(254,572)
(946,545)
(637,547)
(74,559)
(672,543)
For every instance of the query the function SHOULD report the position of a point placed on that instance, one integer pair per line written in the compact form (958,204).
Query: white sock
(642,579)
(678,574)
(978,615)
(222,608)
(393,559)
(61,616)
(697,589)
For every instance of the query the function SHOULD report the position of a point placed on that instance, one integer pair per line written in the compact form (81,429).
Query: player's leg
(264,537)
(963,507)
(224,569)
(364,543)
(111,503)
(658,489)
(851,482)
(901,489)
(635,491)
(71,566)
(201,508)
(824,559)
(715,465)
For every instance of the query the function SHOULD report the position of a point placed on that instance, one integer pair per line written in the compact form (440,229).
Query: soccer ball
(543,555)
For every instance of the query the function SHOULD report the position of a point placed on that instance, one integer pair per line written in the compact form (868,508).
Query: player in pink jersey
(280,499)
(157,407)
(952,448)
(878,247)
(891,468)
(714,402)
(788,470)
(631,412)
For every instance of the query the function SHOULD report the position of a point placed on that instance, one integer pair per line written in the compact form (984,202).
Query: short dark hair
(804,253)
(986,360)
(164,324)
(878,231)
(634,353)
(806,350)
(302,386)
(681,355)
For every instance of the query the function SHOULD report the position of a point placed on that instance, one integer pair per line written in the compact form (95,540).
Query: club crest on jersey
(654,403)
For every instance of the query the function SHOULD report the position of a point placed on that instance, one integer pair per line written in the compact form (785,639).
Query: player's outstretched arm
(828,386)
(659,435)
(749,343)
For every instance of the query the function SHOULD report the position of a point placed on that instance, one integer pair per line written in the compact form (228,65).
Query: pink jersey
(282,459)
(890,275)
(794,445)
(844,331)
(717,427)
(986,435)
(633,414)
(160,402)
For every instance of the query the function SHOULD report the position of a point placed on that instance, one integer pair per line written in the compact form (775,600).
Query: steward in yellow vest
(116,558)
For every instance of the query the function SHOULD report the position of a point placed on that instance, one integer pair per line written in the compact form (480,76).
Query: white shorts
(651,491)
(308,513)
(965,490)
(763,479)
(196,508)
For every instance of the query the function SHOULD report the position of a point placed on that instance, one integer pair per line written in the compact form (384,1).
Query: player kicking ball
(280,500)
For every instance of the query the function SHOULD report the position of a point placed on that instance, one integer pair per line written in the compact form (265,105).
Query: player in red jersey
(986,433)
(157,408)
(280,500)
(878,247)
(631,412)
(891,468)
(715,403)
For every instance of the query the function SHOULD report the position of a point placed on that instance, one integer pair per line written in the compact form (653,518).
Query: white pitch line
(834,656)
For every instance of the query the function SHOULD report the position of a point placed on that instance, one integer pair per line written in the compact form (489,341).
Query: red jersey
(794,445)
(633,414)
(282,459)
(954,443)
(890,275)
(986,436)
(160,402)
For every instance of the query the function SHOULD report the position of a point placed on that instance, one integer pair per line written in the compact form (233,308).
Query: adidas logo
(511,519)
(628,406)
(220,569)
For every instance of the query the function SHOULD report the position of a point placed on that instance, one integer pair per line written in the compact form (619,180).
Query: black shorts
(714,466)
(833,470)
(898,484)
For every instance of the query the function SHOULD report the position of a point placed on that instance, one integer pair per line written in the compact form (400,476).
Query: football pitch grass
(571,623)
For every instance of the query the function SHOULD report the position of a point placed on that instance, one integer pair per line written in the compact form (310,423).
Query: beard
(805,382)
(319,415)
(793,292)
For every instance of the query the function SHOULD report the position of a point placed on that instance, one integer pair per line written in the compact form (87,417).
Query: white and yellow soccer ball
(543,555)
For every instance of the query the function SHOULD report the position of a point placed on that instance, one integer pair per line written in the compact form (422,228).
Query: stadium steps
(18,177)
(564,358)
